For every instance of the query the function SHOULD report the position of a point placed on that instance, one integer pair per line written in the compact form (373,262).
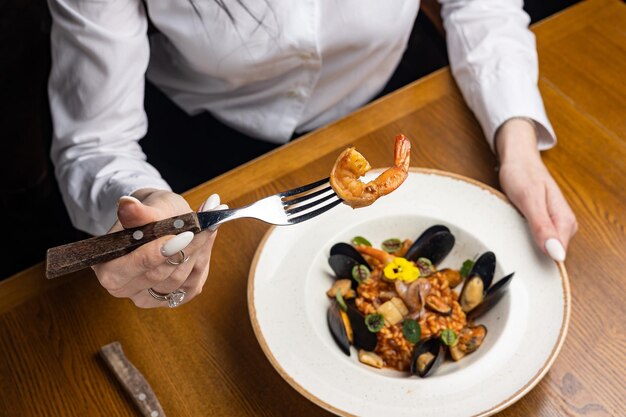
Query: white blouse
(266,67)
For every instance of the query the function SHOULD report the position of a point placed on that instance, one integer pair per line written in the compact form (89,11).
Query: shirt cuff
(503,96)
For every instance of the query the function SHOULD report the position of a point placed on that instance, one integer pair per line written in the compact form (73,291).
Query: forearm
(494,61)
(96,88)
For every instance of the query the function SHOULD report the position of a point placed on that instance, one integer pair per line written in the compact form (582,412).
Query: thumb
(133,213)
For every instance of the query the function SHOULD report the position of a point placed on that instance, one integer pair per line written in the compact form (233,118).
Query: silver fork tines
(284,208)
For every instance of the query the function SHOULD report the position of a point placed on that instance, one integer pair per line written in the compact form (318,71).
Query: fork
(281,209)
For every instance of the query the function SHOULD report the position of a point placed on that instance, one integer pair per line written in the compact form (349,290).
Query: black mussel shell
(485,266)
(337,327)
(349,250)
(435,354)
(434,244)
(342,265)
(477,282)
(361,335)
(362,338)
(494,294)
(431,231)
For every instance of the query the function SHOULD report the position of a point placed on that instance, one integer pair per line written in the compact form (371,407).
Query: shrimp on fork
(351,165)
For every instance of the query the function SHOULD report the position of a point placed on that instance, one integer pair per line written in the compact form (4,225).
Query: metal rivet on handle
(178,223)
(137,234)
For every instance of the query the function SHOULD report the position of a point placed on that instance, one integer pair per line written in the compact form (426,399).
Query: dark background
(33,213)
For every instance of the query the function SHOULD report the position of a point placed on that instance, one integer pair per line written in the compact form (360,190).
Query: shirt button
(305,55)
(296,93)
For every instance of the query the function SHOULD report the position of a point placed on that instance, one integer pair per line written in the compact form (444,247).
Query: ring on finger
(182,258)
(174,299)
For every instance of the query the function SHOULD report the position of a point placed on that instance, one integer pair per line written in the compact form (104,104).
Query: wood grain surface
(202,359)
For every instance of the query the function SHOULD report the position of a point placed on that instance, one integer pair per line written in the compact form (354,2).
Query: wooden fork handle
(133,382)
(74,256)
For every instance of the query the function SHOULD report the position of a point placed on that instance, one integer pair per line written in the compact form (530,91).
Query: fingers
(562,216)
(534,205)
(146,267)
(189,277)
(532,189)
(143,267)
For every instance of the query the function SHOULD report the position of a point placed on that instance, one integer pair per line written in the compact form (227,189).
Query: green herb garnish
(360,240)
(466,267)
(392,245)
(360,273)
(411,330)
(340,301)
(374,322)
(448,337)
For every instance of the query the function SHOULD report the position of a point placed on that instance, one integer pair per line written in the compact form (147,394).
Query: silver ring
(174,299)
(183,258)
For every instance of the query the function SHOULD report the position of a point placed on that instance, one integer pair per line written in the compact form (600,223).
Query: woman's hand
(131,275)
(529,185)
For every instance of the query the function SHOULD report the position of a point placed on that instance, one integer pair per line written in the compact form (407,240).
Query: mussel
(434,244)
(348,328)
(348,250)
(427,356)
(477,282)
(343,258)
(468,340)
(478,295)
(494,294)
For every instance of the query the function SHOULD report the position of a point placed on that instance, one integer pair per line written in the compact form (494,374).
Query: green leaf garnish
(360,273)
(340,301)
(360,240)
(448,337)
(374,322)
(392,245)
(411,330)
(466,267)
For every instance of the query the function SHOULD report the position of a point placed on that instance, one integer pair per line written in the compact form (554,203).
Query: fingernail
(210,203)
(555,249)
(220,207)
(176,244)
(127,199)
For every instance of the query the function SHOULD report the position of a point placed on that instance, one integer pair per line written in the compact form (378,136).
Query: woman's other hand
(528,184)
(131,276)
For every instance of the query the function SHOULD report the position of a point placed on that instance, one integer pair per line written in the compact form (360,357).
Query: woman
(269,69)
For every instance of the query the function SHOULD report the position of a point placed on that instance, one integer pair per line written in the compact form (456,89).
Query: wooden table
(203,359)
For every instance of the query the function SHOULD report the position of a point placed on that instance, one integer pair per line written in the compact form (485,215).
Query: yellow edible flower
(402,269)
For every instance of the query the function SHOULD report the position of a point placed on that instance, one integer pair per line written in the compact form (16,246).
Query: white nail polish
(176,244)
(555,249)
(220,207)
(210,203)
(127,198)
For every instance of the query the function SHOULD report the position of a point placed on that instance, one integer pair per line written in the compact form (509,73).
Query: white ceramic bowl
(526,329)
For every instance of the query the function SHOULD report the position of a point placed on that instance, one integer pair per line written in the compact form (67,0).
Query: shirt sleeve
(493,59)
(100,53)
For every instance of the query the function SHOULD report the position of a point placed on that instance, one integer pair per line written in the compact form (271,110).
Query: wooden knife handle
(133,382)
(74,256)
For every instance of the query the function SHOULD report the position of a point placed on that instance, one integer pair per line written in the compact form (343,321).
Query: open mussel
(478,295)
(494,294)
(348,328)
(477,282)
(427,356)
(468,340)
(434,244)
(343,259)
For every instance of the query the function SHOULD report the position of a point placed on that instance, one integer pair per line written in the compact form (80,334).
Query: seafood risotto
(400,311)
